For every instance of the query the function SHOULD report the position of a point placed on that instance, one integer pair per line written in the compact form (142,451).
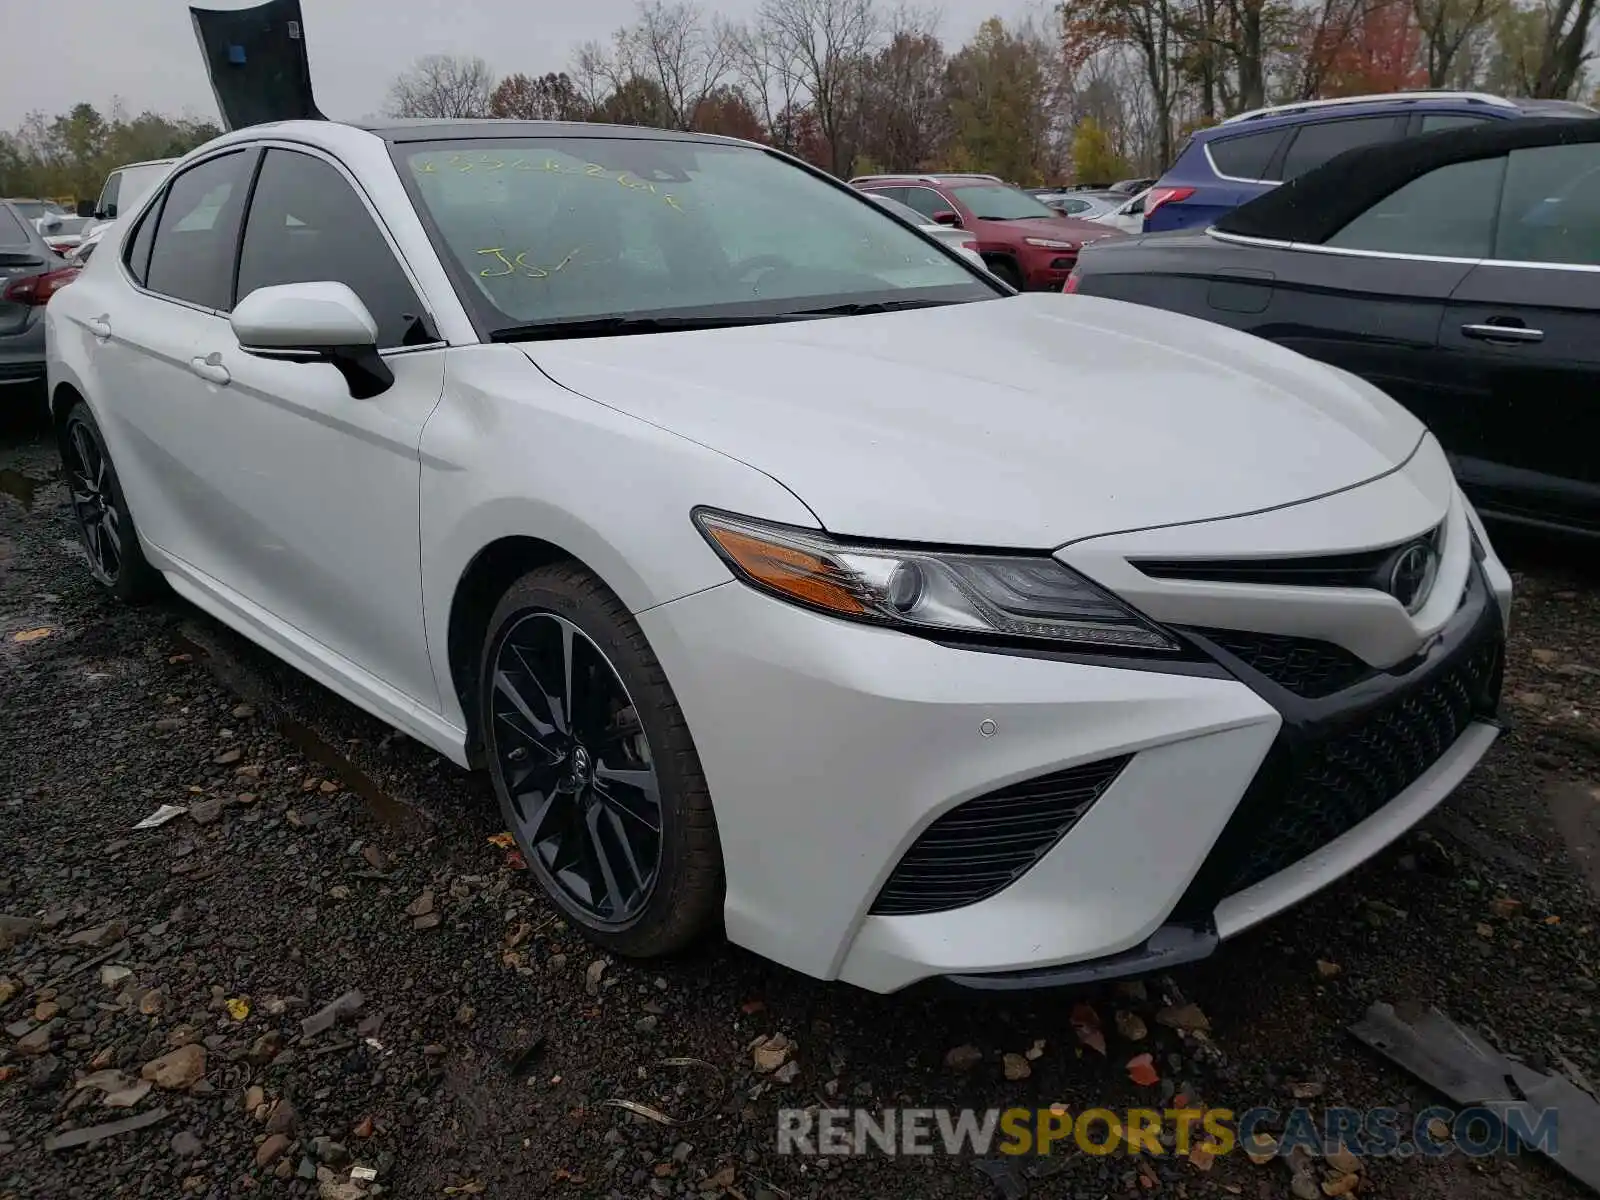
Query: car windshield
(546,230)
(997,202)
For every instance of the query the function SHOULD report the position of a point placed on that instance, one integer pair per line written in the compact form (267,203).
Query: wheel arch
(493,569)
(62,397)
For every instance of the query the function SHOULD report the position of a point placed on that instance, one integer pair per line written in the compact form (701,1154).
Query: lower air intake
(983,846)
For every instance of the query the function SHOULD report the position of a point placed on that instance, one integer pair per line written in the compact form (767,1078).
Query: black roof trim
(435,130)
(1313,207)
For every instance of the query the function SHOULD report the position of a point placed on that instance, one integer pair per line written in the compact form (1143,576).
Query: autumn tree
(999,92)
(1094,160)
(905,113)
(71,154)
(1149,29)
(825,43)
(442,85)
(726,111)
(550,97)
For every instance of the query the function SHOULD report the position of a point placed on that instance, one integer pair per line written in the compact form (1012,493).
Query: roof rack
(924,177)
(1302,105)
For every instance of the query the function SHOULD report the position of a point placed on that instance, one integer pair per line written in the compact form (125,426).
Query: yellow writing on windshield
(519,265)
(489,162)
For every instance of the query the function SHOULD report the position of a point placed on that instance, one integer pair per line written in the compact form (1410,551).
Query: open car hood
(256,60)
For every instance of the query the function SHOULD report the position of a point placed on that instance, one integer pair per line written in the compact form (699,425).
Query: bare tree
(442,85)
(769,75)
(678,49)
(1566,47)
(1446,26)
(826,40)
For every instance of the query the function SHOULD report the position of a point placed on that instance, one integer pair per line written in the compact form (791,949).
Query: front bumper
(831,748)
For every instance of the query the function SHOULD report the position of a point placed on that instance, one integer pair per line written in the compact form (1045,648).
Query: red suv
(1030,246)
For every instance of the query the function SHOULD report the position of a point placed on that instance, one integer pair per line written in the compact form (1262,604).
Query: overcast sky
(144,51)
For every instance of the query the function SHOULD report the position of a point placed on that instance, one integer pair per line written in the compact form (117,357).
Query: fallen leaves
(1016,1067)
(32,635)
(1326,969)
(504,841)
(1142,1070)
(1086,1025)
(963,1058)
(239,1007)
(770,1053)
(1131,1026)
(1184,1016)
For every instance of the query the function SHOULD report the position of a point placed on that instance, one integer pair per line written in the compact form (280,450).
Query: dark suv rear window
(1245,156)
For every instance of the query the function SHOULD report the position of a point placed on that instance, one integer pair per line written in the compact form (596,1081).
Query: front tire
(1007,271)
(594,768)
(100,510)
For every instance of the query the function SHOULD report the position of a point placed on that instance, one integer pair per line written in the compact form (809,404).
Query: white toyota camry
(787,572)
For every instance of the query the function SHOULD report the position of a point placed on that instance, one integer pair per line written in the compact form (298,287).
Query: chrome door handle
(1502,333)
(210,368)
(99,326)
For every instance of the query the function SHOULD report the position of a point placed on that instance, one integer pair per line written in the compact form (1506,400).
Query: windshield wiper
(867,308)
(581,327)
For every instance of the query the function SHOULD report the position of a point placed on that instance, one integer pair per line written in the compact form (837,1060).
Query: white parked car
(787,573)
(959,240)
(1127,216)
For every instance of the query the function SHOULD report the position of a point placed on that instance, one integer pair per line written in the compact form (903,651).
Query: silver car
(30,273)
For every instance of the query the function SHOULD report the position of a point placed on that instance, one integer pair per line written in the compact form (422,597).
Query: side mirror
(109,213)
(85,208)
(945,217)
(314,322)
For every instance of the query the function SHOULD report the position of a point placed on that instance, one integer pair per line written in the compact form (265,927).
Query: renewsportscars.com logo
(1377,1132)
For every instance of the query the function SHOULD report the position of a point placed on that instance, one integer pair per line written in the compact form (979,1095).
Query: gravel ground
(323,855)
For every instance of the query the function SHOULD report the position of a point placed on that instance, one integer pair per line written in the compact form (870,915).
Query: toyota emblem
(1411,577)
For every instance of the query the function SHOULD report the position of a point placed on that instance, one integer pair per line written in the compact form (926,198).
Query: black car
(1459,271)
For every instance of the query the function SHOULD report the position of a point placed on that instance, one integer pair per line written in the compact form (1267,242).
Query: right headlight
(1011,596)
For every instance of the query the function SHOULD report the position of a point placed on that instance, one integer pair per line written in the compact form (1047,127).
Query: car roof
(1314,206)
(1278,116)
(427,130)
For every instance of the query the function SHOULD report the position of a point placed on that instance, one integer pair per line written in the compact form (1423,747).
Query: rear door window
(1314,145)
(927,201)
(1449,213)
(1551,209)
(1246,156)
(198,231)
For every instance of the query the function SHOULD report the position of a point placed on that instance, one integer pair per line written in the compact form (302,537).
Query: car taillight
(1071,285)
(35,290)
(1165,195)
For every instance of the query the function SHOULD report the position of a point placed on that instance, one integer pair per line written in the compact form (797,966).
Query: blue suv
(1221,167)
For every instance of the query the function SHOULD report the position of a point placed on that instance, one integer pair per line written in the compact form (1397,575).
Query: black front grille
(1361,569)
(1306,667)
(984,845)
(1320,782)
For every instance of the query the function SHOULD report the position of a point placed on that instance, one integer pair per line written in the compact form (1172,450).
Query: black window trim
(259,146)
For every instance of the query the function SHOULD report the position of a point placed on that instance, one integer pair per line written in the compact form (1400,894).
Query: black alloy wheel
(93,502)
(100,510)
(594,767)
(577,767)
